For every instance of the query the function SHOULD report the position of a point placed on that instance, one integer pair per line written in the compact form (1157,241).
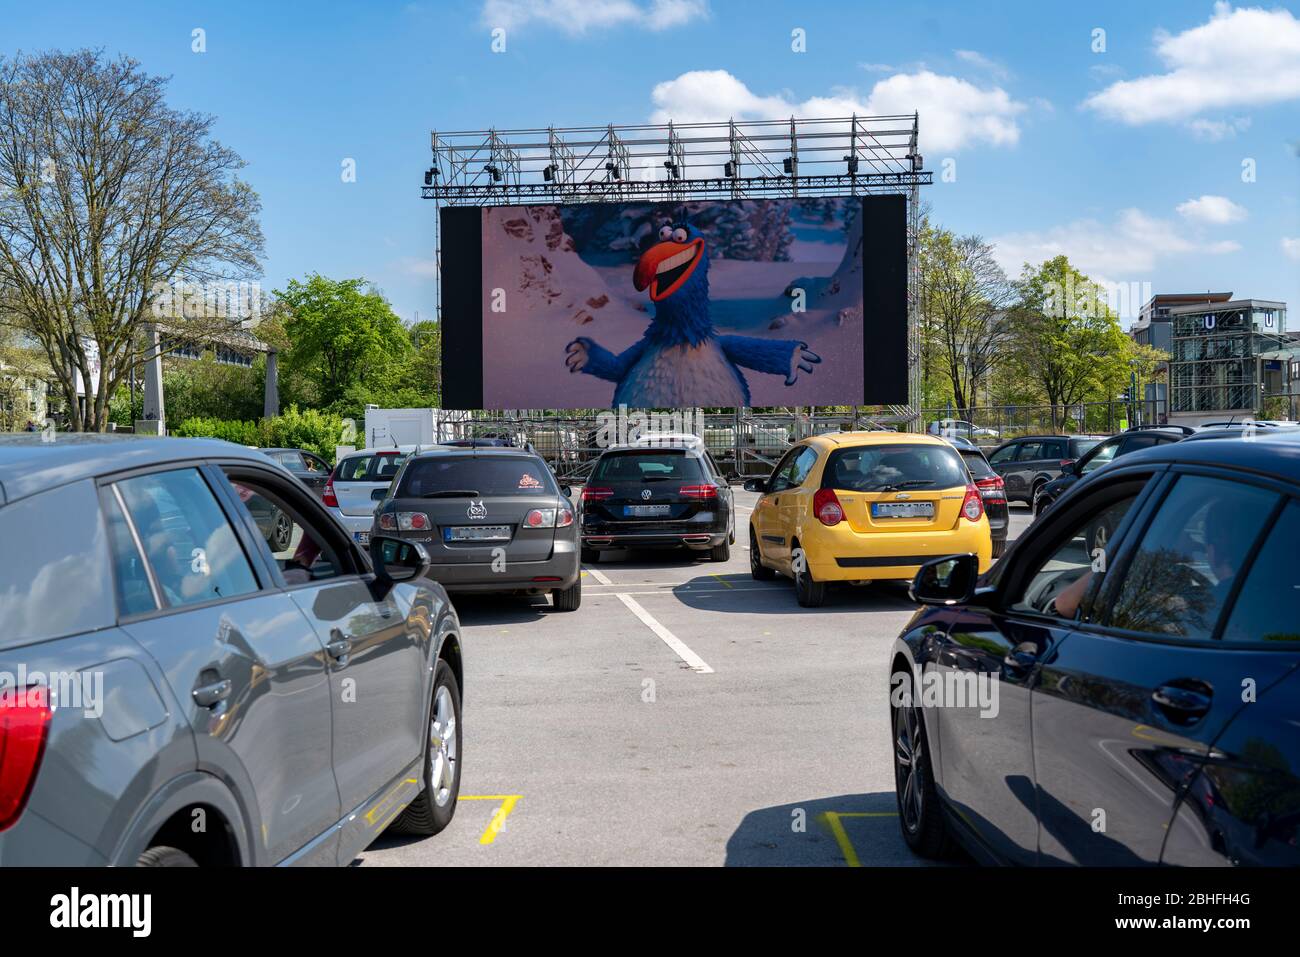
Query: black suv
(669,494)
(1028,463)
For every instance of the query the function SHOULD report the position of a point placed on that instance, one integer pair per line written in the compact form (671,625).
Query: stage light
(612,168)
(853,165)
(791,164)
(548,173)
(672,169)
(429,175)
(729,169)
(494,172)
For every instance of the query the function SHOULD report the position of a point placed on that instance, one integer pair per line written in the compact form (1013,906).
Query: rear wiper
(452,493)
(910,483)
(656,478)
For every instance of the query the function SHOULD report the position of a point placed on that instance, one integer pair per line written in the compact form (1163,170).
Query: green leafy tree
(345,342)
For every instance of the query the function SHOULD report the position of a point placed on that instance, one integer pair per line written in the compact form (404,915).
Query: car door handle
(1021,658)
(1181,705)
(341,646)
(210,695)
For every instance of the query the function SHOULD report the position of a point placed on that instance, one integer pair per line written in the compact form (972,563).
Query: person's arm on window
(1068,601)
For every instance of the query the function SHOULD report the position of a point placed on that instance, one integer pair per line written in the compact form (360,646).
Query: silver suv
(177,690)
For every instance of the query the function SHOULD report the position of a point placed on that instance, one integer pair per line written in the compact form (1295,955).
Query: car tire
(720,553)
(567,599)
(810,592)
(757,570)
(427,814)
(920,815)
(163,856)
(590,556)
(281,532)
(999,547)
(1034,494)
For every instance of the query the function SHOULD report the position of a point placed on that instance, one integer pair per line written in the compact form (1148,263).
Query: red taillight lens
(827,507)
(24,725)
(590,494)
(404,521)
(565,519)
(540,518)
(991,487)
(328,496)
(698,492)
(973,506)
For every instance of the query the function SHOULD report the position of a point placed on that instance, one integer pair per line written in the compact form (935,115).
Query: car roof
(28,464)
(1275,453)
(473,451)
(834,440)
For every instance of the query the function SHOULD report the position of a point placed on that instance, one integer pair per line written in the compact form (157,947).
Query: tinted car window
(1183,569)
(1059,584)
(1134,442)
(875,468)
(1268,606)
(1054,449)
(190,546)
(646,466)
(484,475)
(130,579)
(291,461)
(1096,459)
(53,546)
(299,553)
(1004,454)
(1081,447)
(380,467)
(978,465)
(354,468)
(1029,451)
(803,464)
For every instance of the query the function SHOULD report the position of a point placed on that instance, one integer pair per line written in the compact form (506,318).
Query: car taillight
(590,494)
(698,492)
(827,507)
(24,725)
(992,486)
(328,496)
(404,522)
(540,518)
(565,519)
(973,506)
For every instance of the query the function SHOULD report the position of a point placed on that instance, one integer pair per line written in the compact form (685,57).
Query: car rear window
(483,475)
(875,468)
(1081,447)
(978,465)
(647,467)
(380,467)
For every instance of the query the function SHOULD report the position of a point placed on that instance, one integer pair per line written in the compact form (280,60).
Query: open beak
(665,266)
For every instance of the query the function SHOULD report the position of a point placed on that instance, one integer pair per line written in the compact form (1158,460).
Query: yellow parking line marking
(498,822)
(832,819)
(723,580)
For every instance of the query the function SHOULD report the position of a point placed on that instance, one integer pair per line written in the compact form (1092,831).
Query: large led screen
(707,303)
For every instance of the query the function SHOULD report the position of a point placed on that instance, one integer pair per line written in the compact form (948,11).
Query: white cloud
(1214,210)
(977,59)
(1133,245)
(953,112)
(580,16)
(1215,130)
(1238,58)
(1291,247)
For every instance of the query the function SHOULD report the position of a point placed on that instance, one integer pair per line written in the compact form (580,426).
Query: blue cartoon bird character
(681,360)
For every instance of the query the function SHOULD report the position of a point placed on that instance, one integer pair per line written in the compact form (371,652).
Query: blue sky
(1127,159)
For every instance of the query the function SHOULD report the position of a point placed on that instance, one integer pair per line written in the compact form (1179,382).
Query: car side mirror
(1069,467)
(396,560)
(946,581)
(566,491)
(756,485)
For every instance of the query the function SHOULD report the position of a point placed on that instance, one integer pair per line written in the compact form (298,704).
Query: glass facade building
(1214,365)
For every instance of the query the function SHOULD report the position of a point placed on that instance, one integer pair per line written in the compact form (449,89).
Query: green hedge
(315,431)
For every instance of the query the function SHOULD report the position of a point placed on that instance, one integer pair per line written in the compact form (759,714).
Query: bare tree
(964,296)
(107,195)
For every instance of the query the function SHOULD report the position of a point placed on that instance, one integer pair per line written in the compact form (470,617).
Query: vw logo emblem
(476,509)
(645,493)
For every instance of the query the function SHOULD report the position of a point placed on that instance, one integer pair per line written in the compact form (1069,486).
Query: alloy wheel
(442,746)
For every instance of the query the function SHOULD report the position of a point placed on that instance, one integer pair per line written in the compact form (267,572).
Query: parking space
(610,744)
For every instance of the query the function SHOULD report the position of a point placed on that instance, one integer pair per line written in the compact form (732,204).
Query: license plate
(902,509)
(642,511)
(363,538)
(476,533)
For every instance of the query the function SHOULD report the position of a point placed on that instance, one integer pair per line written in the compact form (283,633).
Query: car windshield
(476,475)
(878,468)
(646,467)
(1099,458)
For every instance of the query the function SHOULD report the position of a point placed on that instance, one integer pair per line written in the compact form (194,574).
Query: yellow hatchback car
(864,506)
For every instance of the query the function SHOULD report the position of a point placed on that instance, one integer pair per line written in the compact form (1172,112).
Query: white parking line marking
(599,577)
(696,663)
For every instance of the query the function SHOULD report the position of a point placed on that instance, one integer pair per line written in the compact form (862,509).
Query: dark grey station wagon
(175,689)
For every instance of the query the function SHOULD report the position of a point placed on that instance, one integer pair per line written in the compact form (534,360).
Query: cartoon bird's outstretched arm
(787,357)
(583,355)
